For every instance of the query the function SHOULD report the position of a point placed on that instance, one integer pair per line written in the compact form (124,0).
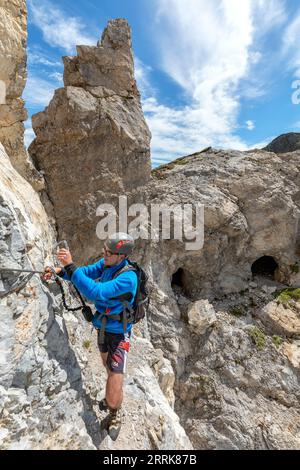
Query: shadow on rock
(58,348)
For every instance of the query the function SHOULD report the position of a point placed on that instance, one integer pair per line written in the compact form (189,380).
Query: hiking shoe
(103,406)
(115,422)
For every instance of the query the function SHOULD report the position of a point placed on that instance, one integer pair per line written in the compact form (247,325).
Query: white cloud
(29,134)
(263,143)
(141,72)
(204,45)
(178,132)
(250,125)
(209,49)
(37,58)
(58,77)
(59,29)
(291,45)
(267,15)
(38,92)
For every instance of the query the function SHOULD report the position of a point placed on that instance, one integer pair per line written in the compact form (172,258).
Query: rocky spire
(109,64)
(93,143)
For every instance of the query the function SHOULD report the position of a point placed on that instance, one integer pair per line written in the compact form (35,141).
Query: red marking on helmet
(119,244)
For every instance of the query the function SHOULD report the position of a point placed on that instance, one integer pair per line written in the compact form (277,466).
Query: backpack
(138,310)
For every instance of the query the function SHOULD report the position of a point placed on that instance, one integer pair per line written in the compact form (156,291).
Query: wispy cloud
(29,134)
(36,58)
(58,77)
(267,15)
(264,143)
(38,91)
(58,28)
(210,50)
(250,125)
(291,45)
(142,73)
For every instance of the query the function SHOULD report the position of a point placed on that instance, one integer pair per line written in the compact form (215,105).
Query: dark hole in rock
(177,278)
(180,282)
(264,266)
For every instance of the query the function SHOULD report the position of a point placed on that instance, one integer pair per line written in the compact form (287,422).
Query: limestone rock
(281,319)
(233,394)
(109,65)
(92,141)
(292,351)
(13,41)
(233,386)
(232,382)
(250,199)
(285,143)
(165,375)
(37,366)
(201,316)
(50,375)
(150,422)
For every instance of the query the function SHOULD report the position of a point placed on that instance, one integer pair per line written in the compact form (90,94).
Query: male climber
(113,332)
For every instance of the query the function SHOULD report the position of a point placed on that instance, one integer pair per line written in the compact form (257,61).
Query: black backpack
(138,310)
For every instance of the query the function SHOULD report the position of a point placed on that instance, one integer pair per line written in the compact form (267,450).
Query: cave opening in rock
(177,278)
(264,266)
(179,282)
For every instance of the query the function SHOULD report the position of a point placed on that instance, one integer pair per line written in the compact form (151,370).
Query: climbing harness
(131,313)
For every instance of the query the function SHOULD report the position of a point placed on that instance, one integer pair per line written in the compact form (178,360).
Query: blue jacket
(96,283)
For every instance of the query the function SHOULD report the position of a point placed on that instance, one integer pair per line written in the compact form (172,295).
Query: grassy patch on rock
(258,337)
(159,171)
(169,166)
(237,310)
(287,296)
(277,341)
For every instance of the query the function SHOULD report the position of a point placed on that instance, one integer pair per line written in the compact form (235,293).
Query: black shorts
(117,346)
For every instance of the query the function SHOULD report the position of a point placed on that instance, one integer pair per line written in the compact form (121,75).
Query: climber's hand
(48,273)
(64,256)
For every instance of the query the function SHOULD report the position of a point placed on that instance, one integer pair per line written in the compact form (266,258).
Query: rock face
(37,388)
(150,421)
(201,316)
(92,140)
(13,40)
(236,380)
(219,348)
(285,143)
(109,65)
(281,320)
(50,377)
(250,199)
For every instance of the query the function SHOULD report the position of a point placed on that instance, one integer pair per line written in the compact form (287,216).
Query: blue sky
(211,73)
